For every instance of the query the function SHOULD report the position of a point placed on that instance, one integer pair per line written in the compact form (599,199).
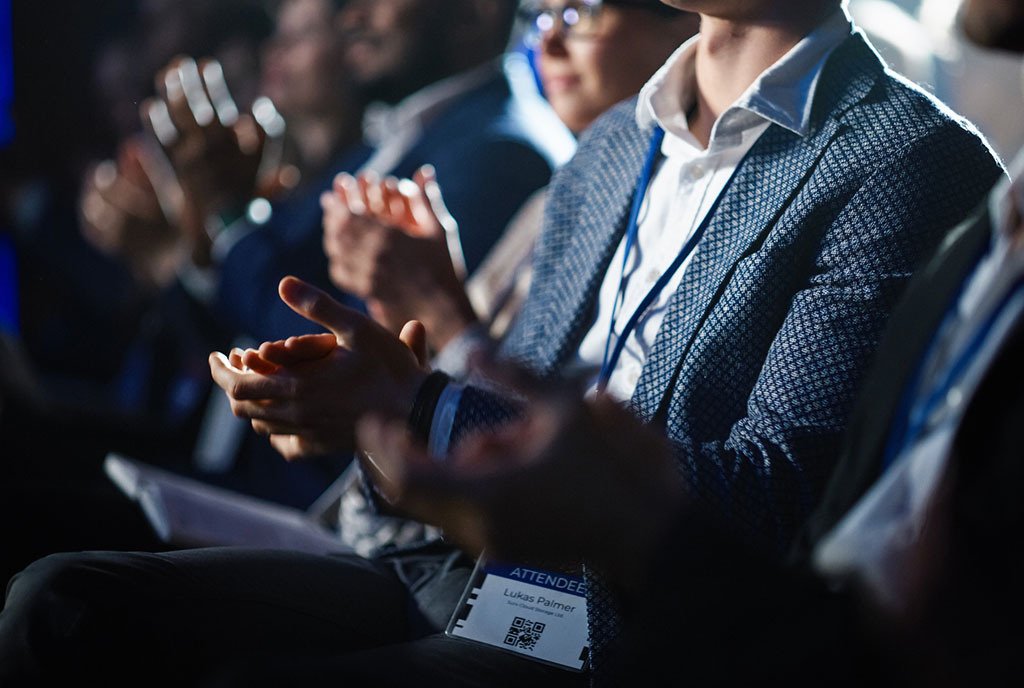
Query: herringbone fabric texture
(761,353)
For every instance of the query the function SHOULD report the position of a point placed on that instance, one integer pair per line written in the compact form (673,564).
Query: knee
(37,586)
(45,617)
(49,574)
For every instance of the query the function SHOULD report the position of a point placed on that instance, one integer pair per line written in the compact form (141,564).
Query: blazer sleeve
(767,474)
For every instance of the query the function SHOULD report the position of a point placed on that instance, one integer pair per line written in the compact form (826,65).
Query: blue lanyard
(913,419)
(612,355)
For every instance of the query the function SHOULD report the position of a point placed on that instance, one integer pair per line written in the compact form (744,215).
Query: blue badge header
(573,585)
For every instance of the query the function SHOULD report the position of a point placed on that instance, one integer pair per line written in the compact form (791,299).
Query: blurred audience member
(234,179)
(983,84)
(81,304)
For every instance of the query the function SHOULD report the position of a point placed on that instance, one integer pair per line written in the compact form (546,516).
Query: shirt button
(652,276)
(697,171)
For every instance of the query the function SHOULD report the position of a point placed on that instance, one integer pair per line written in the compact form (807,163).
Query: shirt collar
(381,121)
(783,93)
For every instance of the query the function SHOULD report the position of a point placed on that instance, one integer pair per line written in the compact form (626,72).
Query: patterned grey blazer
(762,350)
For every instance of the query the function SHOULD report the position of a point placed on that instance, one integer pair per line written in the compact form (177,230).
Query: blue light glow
(6,73)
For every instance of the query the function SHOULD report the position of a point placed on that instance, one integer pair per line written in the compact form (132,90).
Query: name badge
(532,612)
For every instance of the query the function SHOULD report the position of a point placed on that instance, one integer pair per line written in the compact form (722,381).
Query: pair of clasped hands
(591,472)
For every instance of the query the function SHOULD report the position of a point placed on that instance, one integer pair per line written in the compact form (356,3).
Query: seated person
(807,182)
(392,243)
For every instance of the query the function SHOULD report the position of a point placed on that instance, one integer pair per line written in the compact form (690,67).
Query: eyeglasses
(573,19)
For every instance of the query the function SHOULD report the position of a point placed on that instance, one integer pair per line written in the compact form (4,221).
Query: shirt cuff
(444,420)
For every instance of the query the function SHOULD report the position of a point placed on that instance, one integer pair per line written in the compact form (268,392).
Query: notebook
(189,513)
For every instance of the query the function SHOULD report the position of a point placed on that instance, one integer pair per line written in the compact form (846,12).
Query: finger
(414,336)
(178,107)
(235,359)
(195,93)
(293,447)
(420,204)
(317,306)
(373,195)
(104,175)
(268,117)
(130,163)
(217,88)
(242,386)
(298,349)
(311,346)
(399,212)
(156,118)
(275,427)
(348,191)
(255,362)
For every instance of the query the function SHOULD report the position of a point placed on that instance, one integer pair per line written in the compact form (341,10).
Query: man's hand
(308,394)
(573,481)
(124,215)
(217,152)
(395,245)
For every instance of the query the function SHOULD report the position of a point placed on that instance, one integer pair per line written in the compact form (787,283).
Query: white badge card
(532,612)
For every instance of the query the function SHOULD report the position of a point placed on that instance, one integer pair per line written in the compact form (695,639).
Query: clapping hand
(219,154)
(394,244)
(306,393)
(127,214)
(574,480)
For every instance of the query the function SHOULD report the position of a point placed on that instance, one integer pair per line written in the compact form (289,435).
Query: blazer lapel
(598,228)
(765,183)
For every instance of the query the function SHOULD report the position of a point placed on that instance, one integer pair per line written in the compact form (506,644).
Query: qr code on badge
(524,633)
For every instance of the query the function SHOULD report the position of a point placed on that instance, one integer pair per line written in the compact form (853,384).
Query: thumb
(317,306)
(414,336)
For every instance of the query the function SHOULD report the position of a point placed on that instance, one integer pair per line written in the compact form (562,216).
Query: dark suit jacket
(755,368)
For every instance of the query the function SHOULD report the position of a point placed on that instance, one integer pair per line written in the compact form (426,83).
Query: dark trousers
(229,616)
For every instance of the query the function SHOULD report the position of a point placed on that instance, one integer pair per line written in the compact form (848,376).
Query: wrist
(449,319)
(424,403)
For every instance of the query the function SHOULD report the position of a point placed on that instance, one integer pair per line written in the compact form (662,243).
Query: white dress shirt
(684,187)
(689,180)
(877,540)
